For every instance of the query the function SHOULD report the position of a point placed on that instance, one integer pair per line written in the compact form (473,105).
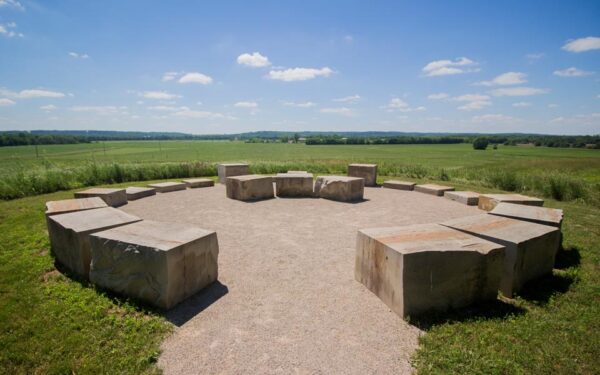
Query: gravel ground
(287,301)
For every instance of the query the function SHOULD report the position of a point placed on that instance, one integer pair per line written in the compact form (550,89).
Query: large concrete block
(231,169)
(366,171)
(199,182)
(294,184)
(112,197)
(71,205)
(399,185)
(167,187)
(134,192)
(297,172)
(433,189)
(249,187)
(530,248)
(340,188)
(539,215)
(470,198)
(417,269)
(160,263)
(70,235)
(487,202)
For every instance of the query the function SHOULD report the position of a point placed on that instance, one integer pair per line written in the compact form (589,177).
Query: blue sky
(234,66)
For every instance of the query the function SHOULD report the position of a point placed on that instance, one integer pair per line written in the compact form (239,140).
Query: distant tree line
(338,140)
(24,139)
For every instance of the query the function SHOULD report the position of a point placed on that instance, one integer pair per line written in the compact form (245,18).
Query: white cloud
(582,44)
(582,119)
(438,96)
(299,74)
(31,94)
(343,111)
(521,104)
(12,3)
(246,104)
(195,77)
(397,104)
(49,107)
(471,98)
(572,72)
(474,106)
(348,99)
(76,55)
(492,118)
(6,102)
(255,60)
(533,57)
(300,104)
(473,102)
(518,91)
(98,109)
(506,79)
(159,95)
(187,113)
(7,30)
(169,76)
(166,108)
(449,67)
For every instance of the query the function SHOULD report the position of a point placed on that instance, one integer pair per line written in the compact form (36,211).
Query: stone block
(399,185)
(199,182)
(231,169)
(112,197)
(250,187)
(160,263)
(294,184)
(71,205)
(539,215)
(340,188)
(167,187)
(297,172)
(366,171)
(422,268)
(70,235)
(487,202)
(530,248)
(134,192)
(433,189)
(470,198)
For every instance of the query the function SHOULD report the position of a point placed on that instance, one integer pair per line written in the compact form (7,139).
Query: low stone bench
(539,215)
(422,268)
(433,189)
(399,185)
(70,235)
(340,188)
(72,205)
(366,171)
(487,202)
(250,187)
(530,248)
(231,169)
(193,183)
(112,197)
(297,172)
(470,198)
(134,192)
(294,184)
(167,187)
(160,263)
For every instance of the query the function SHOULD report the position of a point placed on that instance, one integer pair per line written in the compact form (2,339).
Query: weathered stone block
(134,192)
(340,188)
(297,172)
(294,184)
(433,189)
(417,269)
(70,235)
(160,263)
(399,185)
(530,248)
(199,182)
(71,205)
(539,215)
(470,198)
(250,187)
(231,169)
(487,202)
(112,197)
(167,187)
(366,171)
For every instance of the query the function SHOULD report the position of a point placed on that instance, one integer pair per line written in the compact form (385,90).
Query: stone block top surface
(463,194)
(99,191)
(71,205)
(532,213)
(195,180)
(165,184)
(234,164)
(137,189)
(362,165)
(83,221)
(512,198)
(297,172)
(295,175)
(398,182)
(249,177)
(436,187)
(340,178)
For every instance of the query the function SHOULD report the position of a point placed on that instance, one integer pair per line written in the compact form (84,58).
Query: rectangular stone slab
(167,187)
(366,171)
(199,182)
(422,268)
(297,172)
(539,215)
(112,197)
(433,189)
(249,187)
(470,198)
(340,188)
(70,235)
(134,192)
(294,184)
(399,185)
(487,202)
(71,205)
(161,263)
(530,248)
(231,169)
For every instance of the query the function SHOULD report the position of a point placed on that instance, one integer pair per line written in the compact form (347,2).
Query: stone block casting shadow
(566,258)
(197,303)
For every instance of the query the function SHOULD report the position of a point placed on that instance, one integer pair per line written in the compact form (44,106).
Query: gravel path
(287,301)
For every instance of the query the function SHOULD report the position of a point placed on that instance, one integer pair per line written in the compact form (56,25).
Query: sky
(234,66)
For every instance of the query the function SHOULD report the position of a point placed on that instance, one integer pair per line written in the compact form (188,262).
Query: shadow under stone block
(250,187)
(112,197)
(340,188)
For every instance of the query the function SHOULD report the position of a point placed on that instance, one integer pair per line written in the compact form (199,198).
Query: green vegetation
(480,143)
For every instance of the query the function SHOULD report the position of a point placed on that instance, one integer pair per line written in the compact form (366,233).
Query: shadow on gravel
(197,303)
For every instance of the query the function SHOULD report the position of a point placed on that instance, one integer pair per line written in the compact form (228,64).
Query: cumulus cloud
(572,72)
(49,107)
(12,4)
(246,105)
(188,113)
(492,118)
(300,104)
(169,76)
(582,119)
(6,102)
(582,44)
(76,55)
(31,94)
(254,60)
(397,104)
(8,30)
(472,102)
(521,104)
(195,77)
(438,96)
(518,91)
(449,67)
(299,74)
(99,109)
(343,111)
(159,95)
(166,108)
(348,99)
(506,79)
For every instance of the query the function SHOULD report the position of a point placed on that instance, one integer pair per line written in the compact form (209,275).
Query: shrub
(480,143)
